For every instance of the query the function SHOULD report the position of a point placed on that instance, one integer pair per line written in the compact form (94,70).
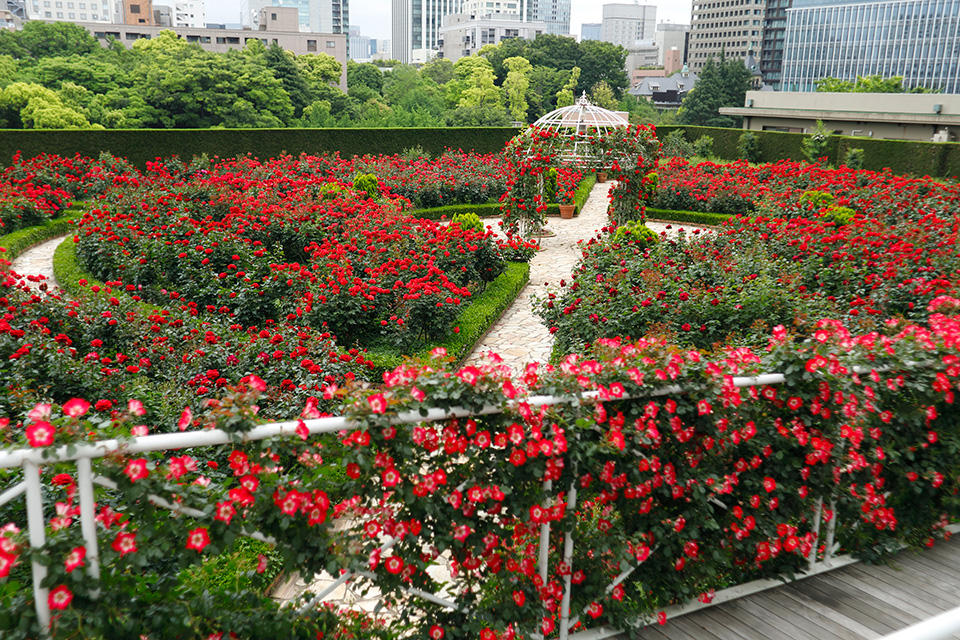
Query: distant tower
(416,25)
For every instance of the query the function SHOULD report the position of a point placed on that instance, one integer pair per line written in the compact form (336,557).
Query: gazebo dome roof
(578,125)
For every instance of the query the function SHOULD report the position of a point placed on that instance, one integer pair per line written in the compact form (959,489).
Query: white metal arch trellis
(579,125)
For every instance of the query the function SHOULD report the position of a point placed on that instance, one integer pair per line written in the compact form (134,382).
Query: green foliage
(722,83)
(19,241)
(749,147)
(676,144)
(565,96)
(143,146)
(815,146)
(602,95)
(868,84)
(839,215)
(367,183)
(635,231)
(236,571)
(853,158)
(515,86)
(703,147)
(816,200)
(467,221)
(694,217)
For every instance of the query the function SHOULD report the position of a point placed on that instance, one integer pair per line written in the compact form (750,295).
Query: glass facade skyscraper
(916,39)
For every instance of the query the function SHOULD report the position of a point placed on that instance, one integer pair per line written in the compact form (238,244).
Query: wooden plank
(833,624)
(866,613)
(947,554)
(919,571)
(746,626)
(790,623)
(741,610)
(906,588)
(936,570)
(895,598)
(717,618)
(695,629)
(703,620)
(656,632)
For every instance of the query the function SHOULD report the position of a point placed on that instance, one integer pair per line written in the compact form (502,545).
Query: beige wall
(898,116)
(138,12)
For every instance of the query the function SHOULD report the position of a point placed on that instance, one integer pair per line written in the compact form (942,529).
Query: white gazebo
(579,126)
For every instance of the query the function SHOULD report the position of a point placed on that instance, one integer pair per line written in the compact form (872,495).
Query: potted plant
(567,205)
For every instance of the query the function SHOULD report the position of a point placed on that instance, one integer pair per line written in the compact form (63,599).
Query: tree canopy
(722,83)
(868,84)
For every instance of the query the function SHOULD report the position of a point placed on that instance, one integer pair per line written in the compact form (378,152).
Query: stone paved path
(519,337)
(36,264)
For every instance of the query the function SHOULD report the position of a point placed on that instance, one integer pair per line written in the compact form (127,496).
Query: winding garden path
(519,337)
(36,264)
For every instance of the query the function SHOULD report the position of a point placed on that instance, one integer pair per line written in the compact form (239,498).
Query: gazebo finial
(583,101)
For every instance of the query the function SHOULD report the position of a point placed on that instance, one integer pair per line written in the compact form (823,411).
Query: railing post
(568,560)
(545,538)
(831,531)
(88,521)
(817,515)
(35,525)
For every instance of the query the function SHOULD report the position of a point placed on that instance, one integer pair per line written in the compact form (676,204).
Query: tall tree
(285,69)
(602,96)
(365,75)
(603,61)
(42,39)
(516,85)
(722,83)
(566,95)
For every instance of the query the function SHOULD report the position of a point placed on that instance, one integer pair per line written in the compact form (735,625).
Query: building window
(134,8)
(331,44)
(311,45)
(221,40)
(273,16)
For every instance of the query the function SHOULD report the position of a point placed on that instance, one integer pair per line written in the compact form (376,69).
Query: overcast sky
(373,16)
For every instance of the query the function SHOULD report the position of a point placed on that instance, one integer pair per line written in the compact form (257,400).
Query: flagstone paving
(519,337)
(36,264)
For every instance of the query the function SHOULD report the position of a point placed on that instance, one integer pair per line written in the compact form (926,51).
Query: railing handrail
(214,437)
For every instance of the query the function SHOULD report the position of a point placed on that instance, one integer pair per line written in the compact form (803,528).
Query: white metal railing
(936,628)
(30,460)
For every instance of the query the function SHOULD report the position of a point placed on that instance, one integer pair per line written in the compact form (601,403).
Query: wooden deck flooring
(858,602)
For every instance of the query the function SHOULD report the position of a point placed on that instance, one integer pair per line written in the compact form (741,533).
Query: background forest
(57,76)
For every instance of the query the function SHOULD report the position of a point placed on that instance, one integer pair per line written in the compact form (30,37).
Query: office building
(486,7)
(771,50)
(360,48)
(671,37)
(591,31)
(315,16)
(416,28)
(191,13)
(464,34)
(627,24)
(88,11)
(916,39)
(733,27)
(555,13)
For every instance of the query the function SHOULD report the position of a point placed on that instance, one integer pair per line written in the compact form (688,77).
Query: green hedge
(903,157)
(19,241)
(695,217)
(142,145)
(474,321)
(492,209)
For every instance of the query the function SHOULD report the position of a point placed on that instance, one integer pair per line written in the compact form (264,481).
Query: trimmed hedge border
(492,209)
(140,146)
(474,321)
(696,217)
(19,241)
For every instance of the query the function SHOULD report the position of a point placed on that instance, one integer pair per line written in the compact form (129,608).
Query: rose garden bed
(682,477)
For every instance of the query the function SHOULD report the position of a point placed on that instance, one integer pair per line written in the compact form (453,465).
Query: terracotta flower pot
(566,210)
(601,176)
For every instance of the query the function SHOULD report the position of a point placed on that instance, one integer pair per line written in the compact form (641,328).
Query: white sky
(373,16)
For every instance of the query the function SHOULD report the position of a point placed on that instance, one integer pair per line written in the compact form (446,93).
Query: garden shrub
(816,144)
(367,183)
(468,221)
(676,145)
(816,200)
(838,215)
(748,147)
(635,231)
(853,158)
(703,147)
